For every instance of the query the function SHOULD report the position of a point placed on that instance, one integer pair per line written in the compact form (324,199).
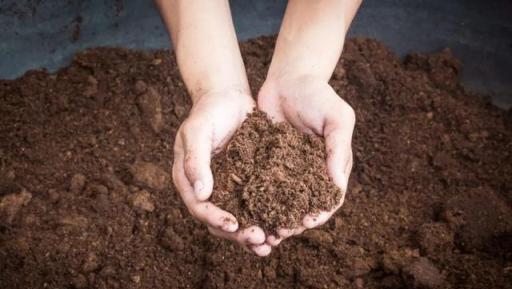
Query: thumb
(198,147)
(338,142)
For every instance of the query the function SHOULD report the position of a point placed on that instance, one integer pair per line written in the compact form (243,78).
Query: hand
(312,106)
(214,118)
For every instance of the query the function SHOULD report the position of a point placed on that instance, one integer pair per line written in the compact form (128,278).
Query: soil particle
(271,175)
(391,282)
(172,241)
(92,88)
(435,238)
(180,112)
(97,189)
(360,267)
(150,106)
(140,87)
(77,183)
(11,203)
(53,195)
(142,200)
(91,263)
(7,186)
(150,175)
(422,274)
(79,281)
(393,261)
(74,221)
(135,278)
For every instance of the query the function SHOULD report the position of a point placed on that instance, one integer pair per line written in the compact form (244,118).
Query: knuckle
(192,209)
(190,166)
(188,128)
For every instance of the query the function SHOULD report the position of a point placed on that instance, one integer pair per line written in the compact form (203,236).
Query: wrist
(292,79)
(237,93)
(237,102)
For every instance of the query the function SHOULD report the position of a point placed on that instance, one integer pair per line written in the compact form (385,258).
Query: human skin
(211,66)
(296,90)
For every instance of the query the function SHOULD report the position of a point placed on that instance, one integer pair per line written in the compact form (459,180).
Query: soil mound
(86,199)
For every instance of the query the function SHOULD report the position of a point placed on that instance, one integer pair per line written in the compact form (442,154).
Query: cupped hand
(212,121)
(312,106)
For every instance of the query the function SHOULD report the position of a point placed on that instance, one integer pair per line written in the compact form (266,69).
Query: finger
(338,141)
(285,233)
(214,216)
(261,250)
(282,234)
(267,102)
(339,153)
(273,240)
(227,236)
(314,220)
(253,235)
(220,233)
(348,169)
(300,230)
(178,175)
(197,145)
(203,211)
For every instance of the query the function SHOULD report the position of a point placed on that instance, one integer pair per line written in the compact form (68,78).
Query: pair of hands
(308,104)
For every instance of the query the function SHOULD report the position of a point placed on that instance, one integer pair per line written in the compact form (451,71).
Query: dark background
(46,33)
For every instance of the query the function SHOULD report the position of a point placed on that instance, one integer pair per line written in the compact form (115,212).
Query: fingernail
(273,240)
(256,238)
(198,188)
(229,225)
(261,250)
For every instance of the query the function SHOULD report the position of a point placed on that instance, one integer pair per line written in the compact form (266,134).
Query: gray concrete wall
(46,33)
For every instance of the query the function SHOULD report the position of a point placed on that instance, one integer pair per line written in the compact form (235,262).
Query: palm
(209,126)
(312,106)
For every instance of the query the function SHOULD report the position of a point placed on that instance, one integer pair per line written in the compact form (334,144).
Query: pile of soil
(272,175)
(86,199)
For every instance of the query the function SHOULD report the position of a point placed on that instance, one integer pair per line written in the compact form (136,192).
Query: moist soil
(272,175)
(87,199)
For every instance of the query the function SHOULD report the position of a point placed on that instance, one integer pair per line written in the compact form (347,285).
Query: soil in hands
(272,175)
(86,198)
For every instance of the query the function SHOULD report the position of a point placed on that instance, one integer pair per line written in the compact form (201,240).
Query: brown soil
(86,199)
(271,175)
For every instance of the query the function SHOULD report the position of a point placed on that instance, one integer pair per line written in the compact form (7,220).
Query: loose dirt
(86,199)
(272,175)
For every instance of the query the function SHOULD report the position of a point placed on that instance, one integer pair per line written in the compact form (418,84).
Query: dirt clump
(422,274)
(150,175)
(77,183)
(142,200)
(480,219)
(435,237)
(11,203)
(272,175)
(149,102)
(431,179)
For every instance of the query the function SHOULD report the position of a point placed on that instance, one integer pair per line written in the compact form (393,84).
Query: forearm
(205,44)
(311,38)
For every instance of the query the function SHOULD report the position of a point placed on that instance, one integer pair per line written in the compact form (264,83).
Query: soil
(272,175)
(86,199)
